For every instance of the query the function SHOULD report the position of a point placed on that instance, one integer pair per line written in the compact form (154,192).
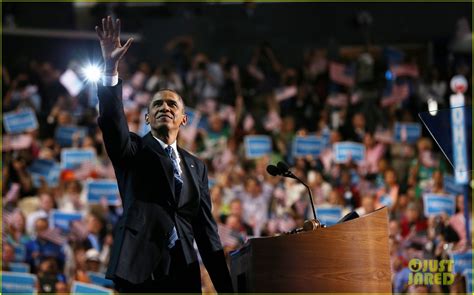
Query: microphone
(282,169)
(282,166)
(273,170)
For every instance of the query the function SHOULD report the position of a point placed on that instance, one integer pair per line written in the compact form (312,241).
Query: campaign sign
(406,132)
(451,187)
(64,134)
(48,169)
(20,252)
(307,146)
(193,117)
(17,122)
(17,282)
(326,136)
(144,128)
(98,189)
(257,146)
(329,215)
(62,220)
(98,278)
(211,182)
(19,267)
(435,204)
(81,288)
(462,262)
(468,276)
(343,151)
(72,158)
(386,201)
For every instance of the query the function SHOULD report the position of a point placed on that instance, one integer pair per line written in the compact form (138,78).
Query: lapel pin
(192,166)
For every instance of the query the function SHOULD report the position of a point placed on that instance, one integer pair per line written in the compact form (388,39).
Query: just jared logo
(430,272)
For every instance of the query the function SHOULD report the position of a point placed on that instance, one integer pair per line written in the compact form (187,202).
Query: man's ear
(146,119)
(185,120)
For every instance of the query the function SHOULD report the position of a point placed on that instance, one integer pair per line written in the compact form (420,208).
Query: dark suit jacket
(145,179)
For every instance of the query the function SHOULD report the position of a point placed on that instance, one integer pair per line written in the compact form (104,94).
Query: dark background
(235,29)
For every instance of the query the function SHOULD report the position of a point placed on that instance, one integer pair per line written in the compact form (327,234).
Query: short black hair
(170,90)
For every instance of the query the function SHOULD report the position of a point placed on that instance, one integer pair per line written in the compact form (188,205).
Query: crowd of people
(357,99)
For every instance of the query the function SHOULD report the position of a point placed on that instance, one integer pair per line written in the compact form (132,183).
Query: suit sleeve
(112,122)
(209,244)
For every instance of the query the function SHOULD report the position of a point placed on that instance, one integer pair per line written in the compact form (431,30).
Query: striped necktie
(178,184)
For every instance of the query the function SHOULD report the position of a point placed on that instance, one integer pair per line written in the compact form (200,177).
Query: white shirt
(110,80)
(175,151)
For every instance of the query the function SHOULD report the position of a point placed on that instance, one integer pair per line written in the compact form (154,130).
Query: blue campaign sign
(72,158)
(450,185)
(17,122)
(468,277)
(48,169)
(211,182)
(62,220)
(435,204)
(20,252)
(17,282)
(307,146)
(346,149)
(407,132)
(192,115)
(462,261)
(329,215)
(98,189)
(98,278)
(42,167)
(386,201)
(257,146)
(326,136)
(144,128)
(19,267)
(64,134)
(81,288)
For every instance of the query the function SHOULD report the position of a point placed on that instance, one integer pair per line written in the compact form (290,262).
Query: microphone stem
(310,194)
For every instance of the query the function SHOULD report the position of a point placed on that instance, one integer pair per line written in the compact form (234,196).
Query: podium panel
(349,257)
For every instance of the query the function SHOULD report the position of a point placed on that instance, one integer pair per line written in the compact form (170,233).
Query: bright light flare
(92,73)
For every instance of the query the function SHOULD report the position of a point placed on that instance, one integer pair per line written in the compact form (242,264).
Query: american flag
(338,100)
(399,93)
(78,230)
(53,235)
(12,194)
(16,142)
(85,170)
(227,237)
(407,70)
(340,74)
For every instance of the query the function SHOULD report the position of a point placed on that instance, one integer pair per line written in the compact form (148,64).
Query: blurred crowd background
(354,92)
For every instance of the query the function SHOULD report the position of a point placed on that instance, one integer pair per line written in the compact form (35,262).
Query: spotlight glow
(432,106)
(92,73)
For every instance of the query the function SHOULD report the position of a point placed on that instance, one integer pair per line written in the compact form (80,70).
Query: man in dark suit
(164,191)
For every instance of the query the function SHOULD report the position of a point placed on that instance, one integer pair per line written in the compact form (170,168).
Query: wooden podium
(349,257)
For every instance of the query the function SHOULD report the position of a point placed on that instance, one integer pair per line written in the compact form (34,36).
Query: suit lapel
(155,146)
(191,167)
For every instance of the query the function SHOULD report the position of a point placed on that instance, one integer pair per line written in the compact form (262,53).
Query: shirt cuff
(110,80)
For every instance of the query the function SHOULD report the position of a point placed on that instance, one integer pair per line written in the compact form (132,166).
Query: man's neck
(165,136)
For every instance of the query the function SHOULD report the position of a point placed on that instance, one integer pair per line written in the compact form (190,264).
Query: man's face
(166,110)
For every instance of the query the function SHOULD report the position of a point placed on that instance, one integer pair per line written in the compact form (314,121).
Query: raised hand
(112,50)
